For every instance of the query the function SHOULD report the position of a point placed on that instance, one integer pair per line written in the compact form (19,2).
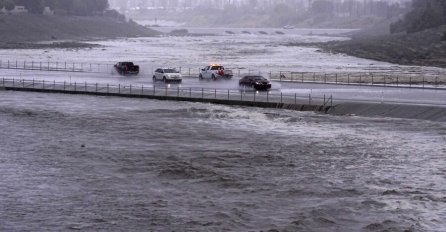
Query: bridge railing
(391,79)
(178,93)
(418,79)
(242,95)
(56,66)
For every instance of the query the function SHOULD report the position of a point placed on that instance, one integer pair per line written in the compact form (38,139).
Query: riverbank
(26,31)
(425,48)
(49,45)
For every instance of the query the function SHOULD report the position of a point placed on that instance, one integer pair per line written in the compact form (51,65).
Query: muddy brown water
(100,163)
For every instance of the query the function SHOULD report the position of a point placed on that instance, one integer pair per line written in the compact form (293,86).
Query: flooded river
(253,52)
(114,164)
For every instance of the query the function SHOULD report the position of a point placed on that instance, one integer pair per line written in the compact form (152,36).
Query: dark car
(127,68)
(255,81)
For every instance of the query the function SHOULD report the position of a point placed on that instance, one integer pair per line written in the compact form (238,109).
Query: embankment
(17,30)
(425,48)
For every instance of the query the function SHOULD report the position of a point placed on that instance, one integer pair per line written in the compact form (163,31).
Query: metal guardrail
(403,80)
(56,66)
(195,94)
(371,77)
(165,91)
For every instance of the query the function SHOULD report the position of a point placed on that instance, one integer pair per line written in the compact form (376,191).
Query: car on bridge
(256,82)
(127,68)
(167,75)
(214,72)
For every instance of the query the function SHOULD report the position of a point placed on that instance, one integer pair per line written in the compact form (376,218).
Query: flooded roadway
(340,93)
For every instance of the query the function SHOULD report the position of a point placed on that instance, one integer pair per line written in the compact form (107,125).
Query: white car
(167,75)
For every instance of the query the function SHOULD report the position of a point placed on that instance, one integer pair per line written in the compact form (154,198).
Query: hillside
(426,48)
(32,28)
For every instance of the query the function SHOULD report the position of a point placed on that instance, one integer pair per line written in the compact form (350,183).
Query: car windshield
(216,67)
(170,70)
(259,78)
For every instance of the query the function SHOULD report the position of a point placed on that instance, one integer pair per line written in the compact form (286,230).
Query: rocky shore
(60,45)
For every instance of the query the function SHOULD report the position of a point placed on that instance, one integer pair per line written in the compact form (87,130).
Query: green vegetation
(425,14)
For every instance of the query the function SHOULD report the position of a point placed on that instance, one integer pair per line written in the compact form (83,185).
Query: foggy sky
(193,3)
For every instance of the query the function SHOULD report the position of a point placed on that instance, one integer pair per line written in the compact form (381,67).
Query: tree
(77,7)
(425,14)
(9,5)
(429,17)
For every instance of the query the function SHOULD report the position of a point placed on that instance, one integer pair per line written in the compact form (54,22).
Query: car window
(170,70)
(216,67)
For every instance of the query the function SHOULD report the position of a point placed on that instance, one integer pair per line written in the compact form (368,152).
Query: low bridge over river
(216,96)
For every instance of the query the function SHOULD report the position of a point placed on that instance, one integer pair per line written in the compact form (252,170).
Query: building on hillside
(19,10)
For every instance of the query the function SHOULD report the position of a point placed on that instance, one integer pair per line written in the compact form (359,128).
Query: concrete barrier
(277,105)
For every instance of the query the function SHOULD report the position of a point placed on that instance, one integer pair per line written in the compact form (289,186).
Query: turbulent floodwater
(252,52)
(116,164)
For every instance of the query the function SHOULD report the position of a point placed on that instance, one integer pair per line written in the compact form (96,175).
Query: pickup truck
(214,72)
(127,68)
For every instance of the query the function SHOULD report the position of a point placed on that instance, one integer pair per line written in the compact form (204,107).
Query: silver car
(167,75)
